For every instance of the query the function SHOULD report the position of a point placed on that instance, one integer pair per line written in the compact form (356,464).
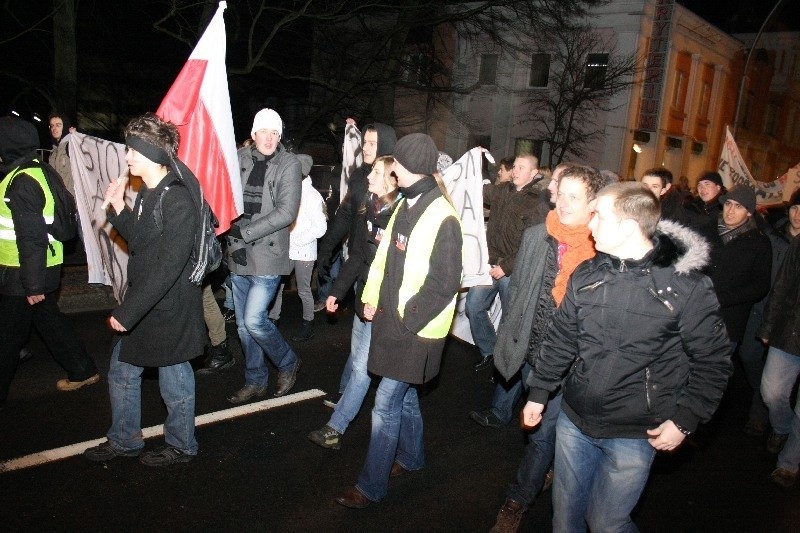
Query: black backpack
(207,250)
(65,217)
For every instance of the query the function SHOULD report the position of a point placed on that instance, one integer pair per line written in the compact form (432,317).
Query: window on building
(540,70)
(488,74)
(417,67)
(679,91)
(705,101)
(529,146)
(748,108)
(771,122)
(596,66)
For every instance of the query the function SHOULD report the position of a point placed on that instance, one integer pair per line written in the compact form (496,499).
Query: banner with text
(734,172)
(464,183)
(95,162)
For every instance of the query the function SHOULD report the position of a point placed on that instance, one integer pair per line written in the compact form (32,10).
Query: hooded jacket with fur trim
(643,341)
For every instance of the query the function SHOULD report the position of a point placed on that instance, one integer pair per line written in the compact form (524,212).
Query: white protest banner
(734,172)
(95,162)
(351,156)
(464,183)
(790,181)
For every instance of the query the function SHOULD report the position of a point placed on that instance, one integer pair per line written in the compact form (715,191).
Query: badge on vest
(400,242)
(378,235)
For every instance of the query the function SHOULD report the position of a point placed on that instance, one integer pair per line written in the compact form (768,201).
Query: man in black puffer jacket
(648,357)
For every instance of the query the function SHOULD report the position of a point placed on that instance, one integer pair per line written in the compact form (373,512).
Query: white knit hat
(269,120)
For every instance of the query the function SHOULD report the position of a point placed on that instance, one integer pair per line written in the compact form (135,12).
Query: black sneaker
(105,452)
(326,437)
(165,456)
(486,418)
(228,314)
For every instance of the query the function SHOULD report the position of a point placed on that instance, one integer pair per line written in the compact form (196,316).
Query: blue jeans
(358,384)
(779,377)
(396,436)
(258,335)
(228,304)
(537,458)
(597,481)
(176,383)
(479,301)
(507,393)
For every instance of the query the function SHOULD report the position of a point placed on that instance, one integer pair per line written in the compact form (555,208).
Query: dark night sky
(122,30)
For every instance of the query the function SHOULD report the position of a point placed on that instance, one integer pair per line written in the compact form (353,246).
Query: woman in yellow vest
(410,296)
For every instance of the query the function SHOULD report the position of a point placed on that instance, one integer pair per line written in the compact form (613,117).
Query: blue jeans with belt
(252,296)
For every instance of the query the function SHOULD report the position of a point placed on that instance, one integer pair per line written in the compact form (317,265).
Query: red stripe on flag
(200,145)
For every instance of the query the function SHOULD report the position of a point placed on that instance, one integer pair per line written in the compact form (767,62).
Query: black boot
(219,359)
(485,362)
(306,331)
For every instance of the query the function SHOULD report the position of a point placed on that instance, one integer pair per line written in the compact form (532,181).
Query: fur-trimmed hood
(681,247)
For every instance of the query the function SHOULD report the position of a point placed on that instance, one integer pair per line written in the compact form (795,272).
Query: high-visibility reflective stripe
(11,235)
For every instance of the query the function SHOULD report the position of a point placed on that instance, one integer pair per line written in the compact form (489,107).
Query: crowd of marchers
(624,305)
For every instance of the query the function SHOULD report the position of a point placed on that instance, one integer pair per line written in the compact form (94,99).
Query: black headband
(150,151)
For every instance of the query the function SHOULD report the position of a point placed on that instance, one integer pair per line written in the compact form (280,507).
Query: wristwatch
(682,429)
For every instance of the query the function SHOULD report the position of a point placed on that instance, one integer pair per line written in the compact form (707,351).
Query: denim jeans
(359,381)
(176,383)
(396,436)
(507,393)
(258,335)
(597,481)
(228,303)
(479,301)
(53,327)
(537,457)
(780,376)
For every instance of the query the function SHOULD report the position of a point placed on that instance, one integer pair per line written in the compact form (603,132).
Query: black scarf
(420,187)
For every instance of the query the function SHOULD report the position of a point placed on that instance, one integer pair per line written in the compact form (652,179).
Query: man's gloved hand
(235,232)
(240,257)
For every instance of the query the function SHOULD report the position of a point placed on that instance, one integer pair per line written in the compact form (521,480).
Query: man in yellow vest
(410,296)
(30,263)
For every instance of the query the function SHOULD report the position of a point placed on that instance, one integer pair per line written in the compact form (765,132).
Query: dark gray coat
(523,293)
(162,310)
(266,236)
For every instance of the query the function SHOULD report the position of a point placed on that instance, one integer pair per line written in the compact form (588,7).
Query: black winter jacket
(643,341)
(781,325)
(363,244)
(740,271)
(346,220)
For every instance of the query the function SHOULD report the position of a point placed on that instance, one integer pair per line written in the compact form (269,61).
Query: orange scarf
(575,246)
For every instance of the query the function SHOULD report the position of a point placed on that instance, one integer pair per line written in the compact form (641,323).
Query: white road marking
(56,454)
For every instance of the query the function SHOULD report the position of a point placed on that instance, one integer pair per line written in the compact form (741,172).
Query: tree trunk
(66,60)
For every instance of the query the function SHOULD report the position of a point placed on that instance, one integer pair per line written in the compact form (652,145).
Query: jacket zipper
(655,295)
(647,386)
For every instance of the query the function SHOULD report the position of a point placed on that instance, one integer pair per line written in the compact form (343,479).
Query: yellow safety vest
(415,268)
(9,253)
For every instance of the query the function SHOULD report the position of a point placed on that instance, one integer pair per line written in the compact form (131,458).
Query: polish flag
(199,104)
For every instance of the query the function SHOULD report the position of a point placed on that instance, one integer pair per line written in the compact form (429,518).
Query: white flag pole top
(212,48)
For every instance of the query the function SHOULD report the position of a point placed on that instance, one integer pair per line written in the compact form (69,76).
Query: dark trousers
(16,317)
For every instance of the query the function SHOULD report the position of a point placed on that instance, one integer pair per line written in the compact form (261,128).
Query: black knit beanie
(417,153)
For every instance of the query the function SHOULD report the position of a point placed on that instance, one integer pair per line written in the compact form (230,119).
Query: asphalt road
(260,473)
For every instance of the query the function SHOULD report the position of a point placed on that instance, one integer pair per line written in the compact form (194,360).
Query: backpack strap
(158,211)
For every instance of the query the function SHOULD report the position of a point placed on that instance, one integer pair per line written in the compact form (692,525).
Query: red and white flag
(200,105)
